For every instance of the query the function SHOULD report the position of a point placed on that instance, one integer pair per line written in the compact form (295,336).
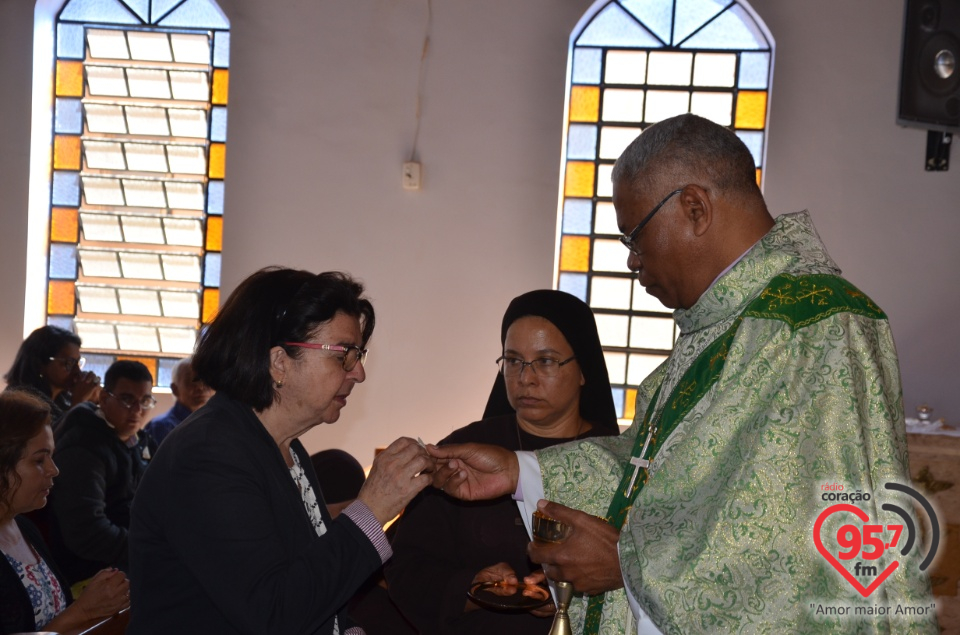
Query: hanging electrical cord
(420,79)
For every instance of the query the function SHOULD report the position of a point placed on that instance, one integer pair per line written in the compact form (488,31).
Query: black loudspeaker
(929,76)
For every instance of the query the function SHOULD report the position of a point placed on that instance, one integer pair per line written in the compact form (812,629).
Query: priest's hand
(474,471)
(587,558)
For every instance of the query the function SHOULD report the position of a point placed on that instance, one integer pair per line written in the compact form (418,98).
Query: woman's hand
(398,474)
(86,388)
(474,471)
(105,595)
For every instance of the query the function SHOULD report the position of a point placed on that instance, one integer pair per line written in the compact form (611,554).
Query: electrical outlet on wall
(411,175)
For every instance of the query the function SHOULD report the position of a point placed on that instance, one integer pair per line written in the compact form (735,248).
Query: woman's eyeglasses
(352,355)
(69,362)
(542,366)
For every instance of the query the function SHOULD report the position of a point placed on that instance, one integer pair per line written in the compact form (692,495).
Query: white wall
(322,98)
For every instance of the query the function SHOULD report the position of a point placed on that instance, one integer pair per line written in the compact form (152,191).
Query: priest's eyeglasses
(627,239)
(69,363)
(542,366)
(129,401)
(352,355)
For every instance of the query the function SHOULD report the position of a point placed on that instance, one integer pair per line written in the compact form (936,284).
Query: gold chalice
(546,529)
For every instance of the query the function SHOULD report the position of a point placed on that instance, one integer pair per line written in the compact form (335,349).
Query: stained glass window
(633,63)
(132,214)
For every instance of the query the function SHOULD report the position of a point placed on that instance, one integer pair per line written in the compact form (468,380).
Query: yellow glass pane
(630,404)
(759,175)
(64,225)
(218,160)
(751,109)
(211,304)
(579,179)
(69,79)
(221,82)
(214,233)
(575,253)
(61,298)
(584,103)
(66,152)
(149,362)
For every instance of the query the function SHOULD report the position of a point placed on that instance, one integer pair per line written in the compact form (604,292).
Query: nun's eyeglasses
(542,366)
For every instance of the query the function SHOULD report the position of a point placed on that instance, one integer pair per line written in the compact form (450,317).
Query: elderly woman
(552,387)
(49,364)
(33,594)
(229,531)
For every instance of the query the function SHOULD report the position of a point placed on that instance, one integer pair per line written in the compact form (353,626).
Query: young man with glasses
(101,453)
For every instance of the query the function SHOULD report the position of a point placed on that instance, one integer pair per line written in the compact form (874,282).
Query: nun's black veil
(575,320)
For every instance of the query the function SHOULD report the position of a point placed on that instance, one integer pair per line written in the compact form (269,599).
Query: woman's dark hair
(22,416)
(34,354)
(272,306)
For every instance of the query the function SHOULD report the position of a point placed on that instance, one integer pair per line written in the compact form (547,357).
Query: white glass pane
(187,159)
(714,69)
(188,123)
(152,47)
(612,329)
(610,293)
(616,366)
(105,118)
(100,264)
(625,67)
(138,338)
(144,193)
(717,107)
(190,85)
(177,340)
(143,229)
(97,300)
(145,266)
(148,82)
(147,121)
(107,44)
(104,156)
(181,268)
(185,195)
(146,157)
(670,69)
(106,80)
(641,365)
(177,304)
(606,219)
(622,105)
(183,231)
(102,191)
(643,301)
(651,332)
(191,49)
(614,140)
(663,104)
(609,255)
(139,302)
(101,227)
(604,184)
(97,336)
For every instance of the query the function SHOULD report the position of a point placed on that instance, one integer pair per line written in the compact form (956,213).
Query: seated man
(190,393)
(101,453)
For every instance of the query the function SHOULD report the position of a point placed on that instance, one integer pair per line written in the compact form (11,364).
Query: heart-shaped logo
(874,542)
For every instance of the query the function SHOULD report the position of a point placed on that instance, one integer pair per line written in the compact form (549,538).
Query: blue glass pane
(70,43)
(215,198)
(63,321)
(198,14)
(107,11)
(582,142)
(656,16)
(66,188)
(618,395)
(98,363)
(69,116)
(211,270)
(692,14)
(63,261)
(615,27)
(754,141)
(733,29)
(161,8)
(586,65)
(577,215)
(754,70)
(221,49)
(574,284)
(218,124)
(140,7)
(165,371)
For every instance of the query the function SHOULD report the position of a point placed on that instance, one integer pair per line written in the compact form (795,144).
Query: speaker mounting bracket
(938,150)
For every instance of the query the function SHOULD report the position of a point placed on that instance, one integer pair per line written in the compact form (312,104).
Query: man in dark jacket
(101,453)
